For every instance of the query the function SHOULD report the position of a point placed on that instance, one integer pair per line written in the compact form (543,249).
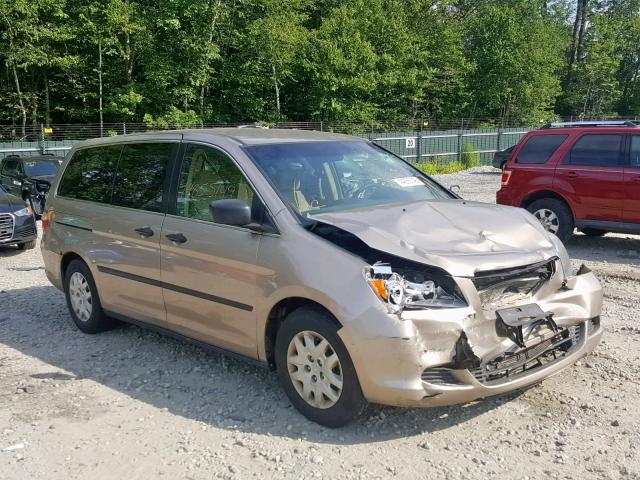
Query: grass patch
(470,158)
(441,168)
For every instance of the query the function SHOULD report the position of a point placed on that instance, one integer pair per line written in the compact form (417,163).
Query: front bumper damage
(451,356)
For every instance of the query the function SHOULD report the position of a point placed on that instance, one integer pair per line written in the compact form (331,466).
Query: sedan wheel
(315,370)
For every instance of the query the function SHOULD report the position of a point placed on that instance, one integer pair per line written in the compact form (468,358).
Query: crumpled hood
(459,236)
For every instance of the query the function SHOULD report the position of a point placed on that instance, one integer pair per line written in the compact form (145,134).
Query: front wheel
(555,216)
(27,245)
(315,369)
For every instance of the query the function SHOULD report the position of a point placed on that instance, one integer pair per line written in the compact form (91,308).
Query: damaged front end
(458,338)
(528,323)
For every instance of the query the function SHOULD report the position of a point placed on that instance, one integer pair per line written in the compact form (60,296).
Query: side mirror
(455,189)
(43,186)
(230,212)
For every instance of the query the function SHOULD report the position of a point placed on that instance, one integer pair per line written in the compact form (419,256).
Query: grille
(6,227)
(512,365)
(26,232)
(439,376)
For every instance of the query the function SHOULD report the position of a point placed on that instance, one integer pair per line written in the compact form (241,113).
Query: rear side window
(89,174)
(539,148)
(635,151)
(601,150)
(141,174)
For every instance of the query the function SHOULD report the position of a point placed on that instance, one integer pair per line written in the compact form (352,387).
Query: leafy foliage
(204,61)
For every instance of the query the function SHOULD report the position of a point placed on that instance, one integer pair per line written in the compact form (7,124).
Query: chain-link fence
(441,141)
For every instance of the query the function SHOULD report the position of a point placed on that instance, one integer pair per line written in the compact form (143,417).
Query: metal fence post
(124,128)
(460,140)
(41,146)
(419,142)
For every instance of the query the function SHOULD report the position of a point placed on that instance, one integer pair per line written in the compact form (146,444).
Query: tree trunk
(100,87)
(128,56)
(212,27)
(582,31)
(23,110)
(276,87)
(574,36)
(47,103)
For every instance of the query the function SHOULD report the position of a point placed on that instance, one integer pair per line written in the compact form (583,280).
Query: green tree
(517,56)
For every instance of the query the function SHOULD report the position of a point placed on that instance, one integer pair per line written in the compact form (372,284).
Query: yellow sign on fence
(48,130)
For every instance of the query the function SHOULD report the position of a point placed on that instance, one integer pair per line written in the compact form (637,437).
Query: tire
(348,402)
(555,216)
(27,245)
(86,312)
(593,232)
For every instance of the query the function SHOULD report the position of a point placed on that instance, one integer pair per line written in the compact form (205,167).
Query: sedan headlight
(23,212)
(407,289)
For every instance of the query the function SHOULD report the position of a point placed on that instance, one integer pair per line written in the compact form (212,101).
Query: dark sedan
(17,223)
(501,157)
(29,177)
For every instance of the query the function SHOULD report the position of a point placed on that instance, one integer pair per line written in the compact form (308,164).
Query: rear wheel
(83,300)
(593,232)
(315,369)
(555,216)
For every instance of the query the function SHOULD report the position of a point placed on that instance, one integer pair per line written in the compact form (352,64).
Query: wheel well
(277,315)
(544,194)
(66,260)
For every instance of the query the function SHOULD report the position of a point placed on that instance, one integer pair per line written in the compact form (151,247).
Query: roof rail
(593,123)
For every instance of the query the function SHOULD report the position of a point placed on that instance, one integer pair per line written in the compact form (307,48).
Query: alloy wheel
(548,219)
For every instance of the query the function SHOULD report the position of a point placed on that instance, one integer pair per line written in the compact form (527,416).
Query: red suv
(583,175)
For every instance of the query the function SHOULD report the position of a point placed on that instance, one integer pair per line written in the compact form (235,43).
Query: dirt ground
(133,404)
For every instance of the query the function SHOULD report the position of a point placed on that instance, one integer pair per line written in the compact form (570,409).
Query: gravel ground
(130,403)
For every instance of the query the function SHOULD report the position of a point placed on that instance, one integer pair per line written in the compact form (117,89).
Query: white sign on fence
(410,143)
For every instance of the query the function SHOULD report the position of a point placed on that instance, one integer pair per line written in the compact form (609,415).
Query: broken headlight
(412,289)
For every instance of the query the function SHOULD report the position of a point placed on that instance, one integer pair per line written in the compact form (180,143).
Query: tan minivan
(352,274)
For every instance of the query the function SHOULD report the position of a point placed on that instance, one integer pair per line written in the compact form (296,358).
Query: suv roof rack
(593,123)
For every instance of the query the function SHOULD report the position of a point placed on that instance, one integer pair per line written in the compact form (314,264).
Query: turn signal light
(506,176)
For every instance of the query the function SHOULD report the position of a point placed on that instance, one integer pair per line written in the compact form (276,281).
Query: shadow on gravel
(189,381)
(7,251)
(616,250)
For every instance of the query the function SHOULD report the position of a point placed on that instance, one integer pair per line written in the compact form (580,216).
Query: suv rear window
(89,175)
(602,150)
(539,148)
(141,174)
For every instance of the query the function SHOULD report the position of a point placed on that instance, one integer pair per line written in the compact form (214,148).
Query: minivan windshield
(41,168)
(317,177)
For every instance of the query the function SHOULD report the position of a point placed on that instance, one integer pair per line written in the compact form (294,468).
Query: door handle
(176,237)
(145,232)
(571,174)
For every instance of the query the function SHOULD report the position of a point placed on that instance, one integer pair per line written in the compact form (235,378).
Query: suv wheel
(315,369)
(593,232)
(555,216)
(27,245)
(83,300)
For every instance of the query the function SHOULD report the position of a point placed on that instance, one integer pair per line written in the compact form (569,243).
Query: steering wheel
(365,191)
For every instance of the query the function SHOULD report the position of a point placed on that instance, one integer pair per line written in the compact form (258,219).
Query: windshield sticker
(30,164)
(406,182)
